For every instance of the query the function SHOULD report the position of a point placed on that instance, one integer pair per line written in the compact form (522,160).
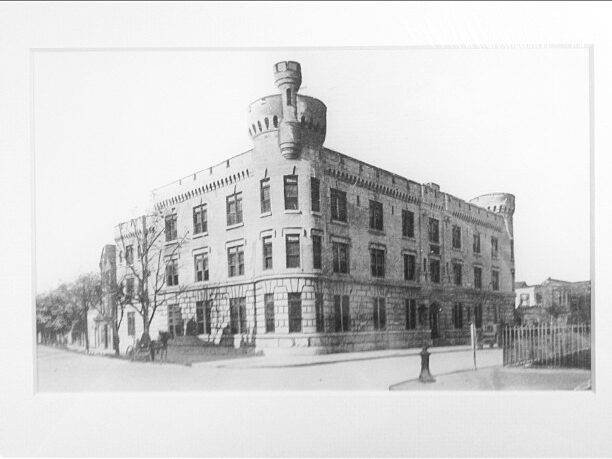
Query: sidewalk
(500,378)
(284,360)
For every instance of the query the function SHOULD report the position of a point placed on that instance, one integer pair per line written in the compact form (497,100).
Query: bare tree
(152,266)
(85,293)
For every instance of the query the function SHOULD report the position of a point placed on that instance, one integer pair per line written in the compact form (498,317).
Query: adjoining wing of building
(294,245)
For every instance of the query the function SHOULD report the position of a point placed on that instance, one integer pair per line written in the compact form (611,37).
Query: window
(131,323)
(377,262)
(495,279)
(269,312)
(316,252)
(171,233)
(476,243)
(494,247)
(411,314)
(175,320)
(238,322)
(376,215)
(201,267)
(295,312)
(289,102)
(407,223)
(235,261)
(172,272)
(200,322)
(457,274)
(512,249)
(456,237)
(129,288)
(293,250)
(524,299)
(129,254)
(478,315)
(275,121)
(338,205)
(200,219)
(409,267)
(458,315)
(341,257)
(291,192)
(434,270)
(319,312)
(342,313)
(234,209)
(477,277)
(434,231)
(207,315)
(379,317)
(267,252)
(315,194)
(265,195)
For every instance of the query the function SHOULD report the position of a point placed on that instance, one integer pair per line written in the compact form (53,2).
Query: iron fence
(547,345)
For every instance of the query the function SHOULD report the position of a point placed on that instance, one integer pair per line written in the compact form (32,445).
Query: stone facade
(337,254)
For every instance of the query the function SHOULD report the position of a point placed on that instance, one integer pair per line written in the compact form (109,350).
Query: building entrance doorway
(434,311)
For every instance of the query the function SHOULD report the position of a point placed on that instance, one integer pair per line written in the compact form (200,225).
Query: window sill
(265,214)
(339,222)
(455,249)
(409,238)
(173,241)
(293,211)
(237,225)
(316,213)
(376,232)
(200,235)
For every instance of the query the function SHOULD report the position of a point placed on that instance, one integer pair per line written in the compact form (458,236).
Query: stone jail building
(294,245)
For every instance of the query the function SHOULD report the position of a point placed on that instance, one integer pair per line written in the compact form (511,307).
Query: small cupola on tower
(288,78)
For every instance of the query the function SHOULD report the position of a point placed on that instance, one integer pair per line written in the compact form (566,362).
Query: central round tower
(295,120)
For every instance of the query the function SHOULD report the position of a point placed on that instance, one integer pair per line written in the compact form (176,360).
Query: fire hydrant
(425,376)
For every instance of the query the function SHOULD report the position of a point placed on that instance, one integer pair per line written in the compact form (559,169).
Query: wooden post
(473,335)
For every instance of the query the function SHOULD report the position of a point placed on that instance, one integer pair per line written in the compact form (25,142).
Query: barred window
(265,195)
(319,312)
(342,314)
(407,223)
(315,194)
(456,237)
(234,209)
(457,274)
(434,270)
(338,205)
(411,314)
(316,252)
(293,250)
(200,219)
(172,272)
(376,215)
(129,254)
(238,322)
(458,315)
(341,257)
(434,231)
(495,279)
(291,192)
(201,267)
(477,277)
(379,314)
(409,267)
(131,323)
(476,243)
(295,312)
(235,261)
(171,231)
(377,262)
(269,312)
(267,252)
(494,247)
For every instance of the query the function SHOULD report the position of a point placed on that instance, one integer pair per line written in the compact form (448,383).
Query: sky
(110,126)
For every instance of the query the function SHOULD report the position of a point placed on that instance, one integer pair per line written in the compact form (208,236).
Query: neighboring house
(294,245)
(553,301)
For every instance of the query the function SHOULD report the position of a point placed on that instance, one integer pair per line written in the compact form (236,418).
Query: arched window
(267,123)
(275,121)
(254,129)
(259,126)
(303,120)
(289,101)
(249,131)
